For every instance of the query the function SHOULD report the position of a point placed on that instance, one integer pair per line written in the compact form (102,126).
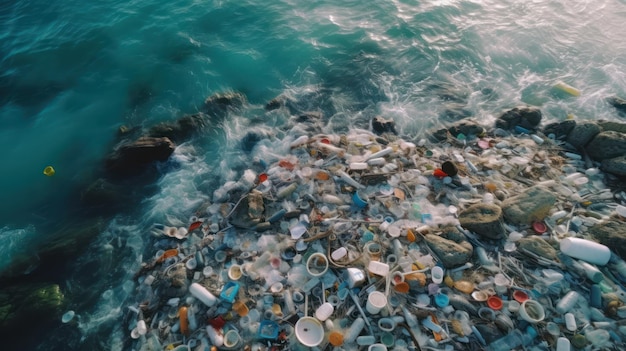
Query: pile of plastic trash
(359,241)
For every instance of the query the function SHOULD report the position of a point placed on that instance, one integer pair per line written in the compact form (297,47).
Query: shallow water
(73,72)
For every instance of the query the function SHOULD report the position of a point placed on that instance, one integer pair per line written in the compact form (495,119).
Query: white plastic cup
(532,311)
(309,331)
(586,250)
(437,274)
(502,283)
(376,300)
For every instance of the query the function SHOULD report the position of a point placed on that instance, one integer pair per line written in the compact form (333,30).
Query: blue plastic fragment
(268,329)
(521,129)
(229,291)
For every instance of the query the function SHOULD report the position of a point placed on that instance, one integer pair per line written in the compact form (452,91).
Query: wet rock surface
(452,251)
(131,158)
(611,233)
(534,204)
(582,134)
(607,145)
(537,246)
(525,117)
(484,219)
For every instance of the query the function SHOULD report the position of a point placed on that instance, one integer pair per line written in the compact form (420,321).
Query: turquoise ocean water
(72,72)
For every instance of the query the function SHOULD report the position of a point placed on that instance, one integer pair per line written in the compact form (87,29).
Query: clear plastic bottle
(514,339)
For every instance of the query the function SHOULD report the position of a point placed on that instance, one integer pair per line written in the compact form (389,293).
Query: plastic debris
(354,241)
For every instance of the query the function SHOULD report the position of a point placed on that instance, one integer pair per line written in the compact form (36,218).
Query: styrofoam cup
(375,302)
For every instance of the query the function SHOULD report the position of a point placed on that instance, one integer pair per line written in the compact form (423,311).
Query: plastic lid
(520,296)
(335,338)
(494,302)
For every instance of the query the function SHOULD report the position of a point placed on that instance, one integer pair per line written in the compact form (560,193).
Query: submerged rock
(132,157)
(582,134)
(607,145)
(483,219)
(220,102)
(450,247)
(617,102)
(526,117)
(181,129)
(534,204)
(28,304)
(537,246)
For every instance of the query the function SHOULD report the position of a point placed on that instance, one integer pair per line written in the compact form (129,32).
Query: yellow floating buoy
(566,88)
(49,171)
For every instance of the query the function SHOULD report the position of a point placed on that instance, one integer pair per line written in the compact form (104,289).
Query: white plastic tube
(586,250)
(202,294)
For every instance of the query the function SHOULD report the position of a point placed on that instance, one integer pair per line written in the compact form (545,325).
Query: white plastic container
(437,274)
(324,311)
(378,268)
(375,302)
(202,294)
(563,344)
(586,250)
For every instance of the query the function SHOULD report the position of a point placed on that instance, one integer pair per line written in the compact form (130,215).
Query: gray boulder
(616,166)
(560,129)
(537,246)
(607,145)
(611,233)
(451,247)
(483,219)
(534,204)
(526,117)
(582,134)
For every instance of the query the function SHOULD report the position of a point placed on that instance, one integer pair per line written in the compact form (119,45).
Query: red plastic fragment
(439,173)
(195,225)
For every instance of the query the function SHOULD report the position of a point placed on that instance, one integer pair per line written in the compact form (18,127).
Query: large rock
(132,157)
(607,145)
(381,125)
(560,129)
(181,129)
(582,134)
(537,246)
(469,128)
(534,204)
(451,247)
(483,219)
(611,233)
(221,102)
(25,305)
(617,102)
(616,166)
(614,126)
(526,117)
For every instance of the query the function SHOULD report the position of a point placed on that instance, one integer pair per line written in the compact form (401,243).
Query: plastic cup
(240,308)
(532,311)
(437,274)
(309,331)
(376,300)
